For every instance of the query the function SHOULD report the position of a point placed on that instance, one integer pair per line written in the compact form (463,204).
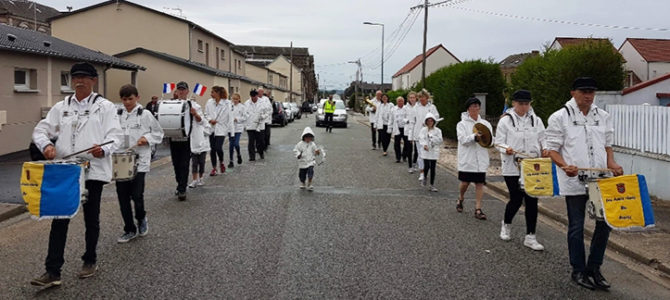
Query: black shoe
(581,279)
(397,161)
(239,160)
(230,164)
(252,159)
(182,196)
(262,156)
(46,280)
(598,280)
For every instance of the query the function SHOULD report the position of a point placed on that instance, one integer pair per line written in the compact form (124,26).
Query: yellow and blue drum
(53,189)
(625,202)
(538,177)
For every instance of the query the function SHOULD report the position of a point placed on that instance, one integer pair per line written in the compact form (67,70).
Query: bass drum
(174,116)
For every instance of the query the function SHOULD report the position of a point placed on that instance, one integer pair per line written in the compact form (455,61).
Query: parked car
(315,107)
(278,114)
(297,112)
(339,116)
(290,115)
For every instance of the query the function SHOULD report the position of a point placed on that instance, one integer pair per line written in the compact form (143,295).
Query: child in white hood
(199,145)
(306,151)
(430,141)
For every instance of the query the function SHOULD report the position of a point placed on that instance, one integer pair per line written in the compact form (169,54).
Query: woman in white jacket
(384,123)
(219,112)
(421,109)
(239,118)
(401,144)
(430,141)
(412,154)
(520,130)
(199,144)
(473,160)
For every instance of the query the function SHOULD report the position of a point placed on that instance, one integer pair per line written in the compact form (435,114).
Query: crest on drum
(621,188)
(537,167)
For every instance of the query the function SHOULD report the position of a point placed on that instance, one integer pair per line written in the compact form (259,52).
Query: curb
(613,245)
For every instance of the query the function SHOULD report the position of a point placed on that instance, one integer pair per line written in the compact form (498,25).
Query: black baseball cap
(472,101)
(584,84)
(83,69)
(182,85)
(253,93)
(521,96)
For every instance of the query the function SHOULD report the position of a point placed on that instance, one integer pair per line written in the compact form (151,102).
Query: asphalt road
(367,231)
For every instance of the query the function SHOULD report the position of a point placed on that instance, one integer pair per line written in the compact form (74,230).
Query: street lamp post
(381,85)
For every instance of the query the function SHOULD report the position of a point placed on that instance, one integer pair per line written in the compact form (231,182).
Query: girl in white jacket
(473,160)
(430,141)
(306,151)
(384,123)
(239,118)
(199,145)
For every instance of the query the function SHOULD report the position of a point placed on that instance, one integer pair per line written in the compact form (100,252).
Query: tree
(549,76)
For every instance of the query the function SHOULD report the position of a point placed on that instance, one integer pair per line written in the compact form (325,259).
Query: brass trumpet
(369,102)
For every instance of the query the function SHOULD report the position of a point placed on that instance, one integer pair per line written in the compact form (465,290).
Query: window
(207,54)
(200,46)
(65,82)
(223,54)
(269,78)
(22,80)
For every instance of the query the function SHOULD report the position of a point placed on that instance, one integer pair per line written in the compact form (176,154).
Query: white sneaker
(505,231)
(421,177)
(411,170)
(531,242)
(310,187)
(433,188)
(200,182)
(302,186)
(193,184)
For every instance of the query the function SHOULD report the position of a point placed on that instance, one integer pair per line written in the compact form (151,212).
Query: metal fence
(641,127)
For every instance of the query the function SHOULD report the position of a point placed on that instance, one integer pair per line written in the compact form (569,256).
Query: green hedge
(453,85)
(549,76)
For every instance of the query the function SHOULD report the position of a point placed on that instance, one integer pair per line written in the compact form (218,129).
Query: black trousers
(266,141)
(576,206)
(181,157)
(127,191)
(406,146)
(58,235)
(416,151)
(216,145)
(410,149)
(256,141)
(374,135)
(384,138)
(329,121)
(516,197)
(429,166)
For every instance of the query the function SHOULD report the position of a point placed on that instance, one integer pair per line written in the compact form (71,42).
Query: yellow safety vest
(329,108)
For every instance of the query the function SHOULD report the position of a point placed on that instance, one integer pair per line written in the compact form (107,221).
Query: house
(646,59)
(258,70)
(299,56)
(171,48)
(654,92)
(509,65)
(562,42)
(38,66)
(436,58)
(27,15)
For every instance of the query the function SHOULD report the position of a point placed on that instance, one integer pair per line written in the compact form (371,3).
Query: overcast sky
(334,33)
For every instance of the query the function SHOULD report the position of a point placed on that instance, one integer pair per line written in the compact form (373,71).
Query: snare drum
(124,164)
(53,189)
(174,116)
(594,206)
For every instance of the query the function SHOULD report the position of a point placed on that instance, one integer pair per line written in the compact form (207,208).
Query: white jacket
(431,138)
(304,151)
(80,125)
(409,127)
(581,141)
(384,116)
(239,117)
(222,113)
(399,119)
(419,115)
(267,104)
(200,131)
(256,115)
(471,156)
(135,126)
(523,134)
(372,112)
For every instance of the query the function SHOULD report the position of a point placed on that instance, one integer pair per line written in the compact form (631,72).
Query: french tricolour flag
(168,87)
(199,89)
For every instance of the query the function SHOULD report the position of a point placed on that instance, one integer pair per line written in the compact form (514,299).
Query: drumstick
(595,169)
(86,150)
(526,155)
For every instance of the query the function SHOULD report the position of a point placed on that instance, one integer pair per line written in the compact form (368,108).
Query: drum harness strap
(532,120)
(76,124)
(573,116)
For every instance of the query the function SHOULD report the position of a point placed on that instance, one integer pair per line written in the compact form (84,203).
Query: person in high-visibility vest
(329,110)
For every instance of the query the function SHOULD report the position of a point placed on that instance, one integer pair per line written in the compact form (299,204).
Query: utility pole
(425,35)
(357,82)
(290,95)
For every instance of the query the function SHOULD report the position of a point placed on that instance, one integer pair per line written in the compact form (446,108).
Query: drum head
(486,140)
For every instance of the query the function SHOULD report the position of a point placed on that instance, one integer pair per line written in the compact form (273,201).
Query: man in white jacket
(384,122)
(400,130)
(580,135)
(80,121)
(520,131)
(219,112)
(473,160)
(141,130)
(265,99)
(421,110)
(372,115)
(180,148)
(256,114)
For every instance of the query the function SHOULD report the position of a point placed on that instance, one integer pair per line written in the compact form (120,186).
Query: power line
(395,46)
(505,15)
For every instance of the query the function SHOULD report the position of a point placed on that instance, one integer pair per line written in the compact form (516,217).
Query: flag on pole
(199,89)
(168,87)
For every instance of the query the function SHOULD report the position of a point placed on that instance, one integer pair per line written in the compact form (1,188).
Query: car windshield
(339,104)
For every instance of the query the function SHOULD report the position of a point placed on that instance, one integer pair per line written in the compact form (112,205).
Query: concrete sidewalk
(650,247)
